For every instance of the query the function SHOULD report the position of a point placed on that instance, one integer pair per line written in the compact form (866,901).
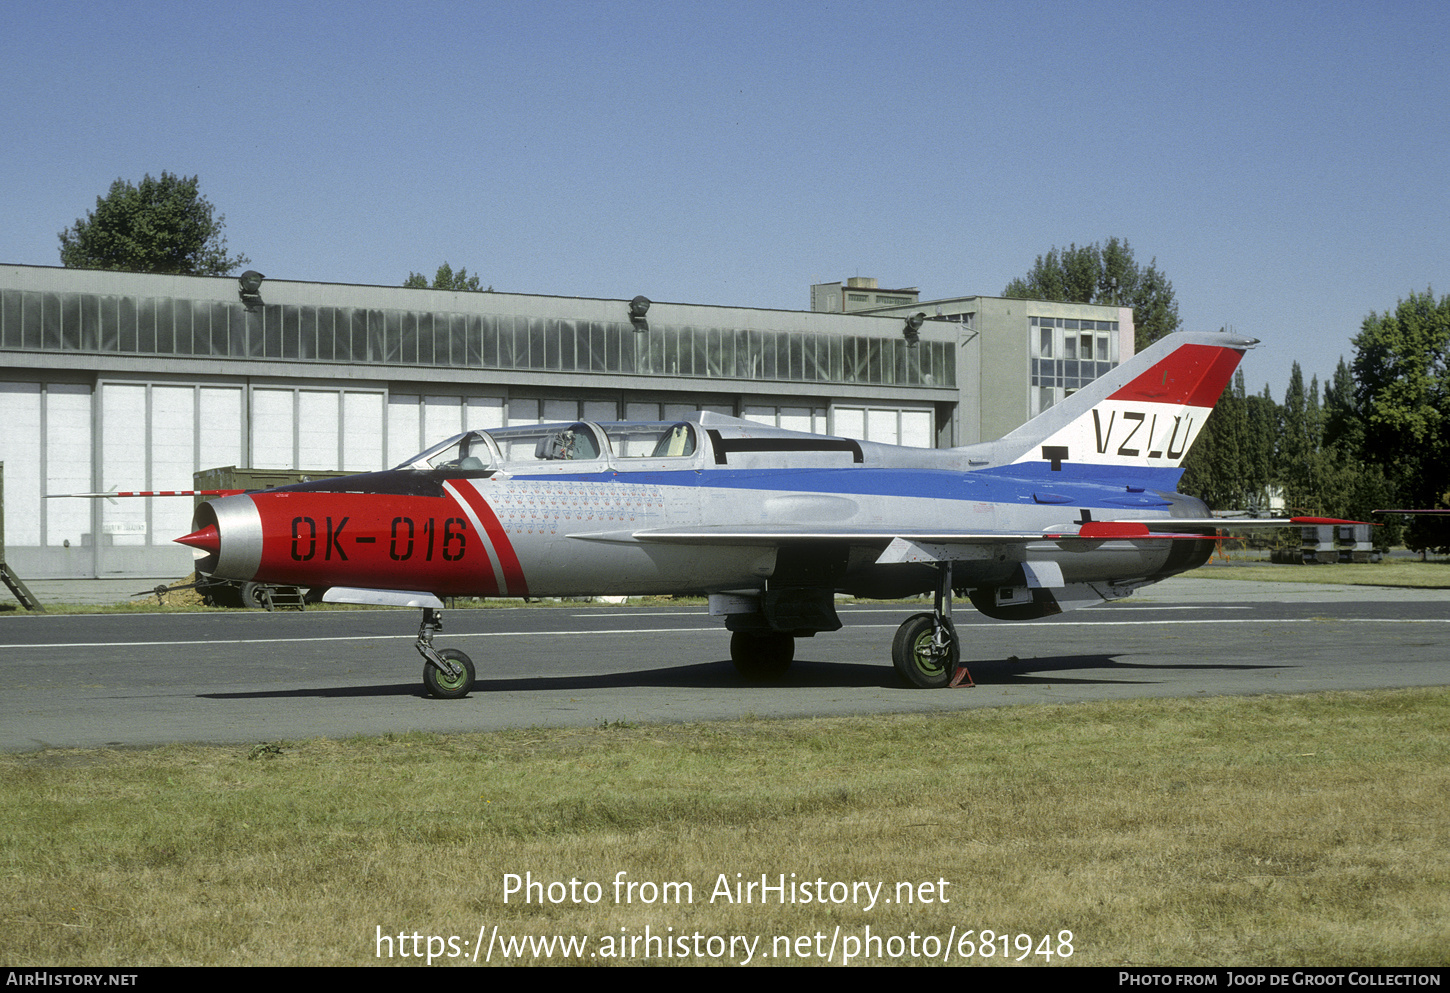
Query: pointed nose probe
(208,539)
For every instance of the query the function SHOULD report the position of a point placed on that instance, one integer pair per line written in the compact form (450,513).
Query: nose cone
(208,539)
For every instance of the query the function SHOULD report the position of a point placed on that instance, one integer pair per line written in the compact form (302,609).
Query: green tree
(445,279)
(1402,394)
(1215,470)
(158,225)
(1105,275)
(1260,441)
(1296,445)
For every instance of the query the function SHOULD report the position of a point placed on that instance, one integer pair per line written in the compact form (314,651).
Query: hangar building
(132,381)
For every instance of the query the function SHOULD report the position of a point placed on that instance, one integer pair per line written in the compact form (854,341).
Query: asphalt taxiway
(250,676)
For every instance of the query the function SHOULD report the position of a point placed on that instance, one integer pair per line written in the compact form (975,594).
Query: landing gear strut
(926,650)
(448,674)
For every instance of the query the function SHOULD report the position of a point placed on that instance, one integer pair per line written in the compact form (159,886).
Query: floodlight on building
(912,331)
(638,307)
(250,288)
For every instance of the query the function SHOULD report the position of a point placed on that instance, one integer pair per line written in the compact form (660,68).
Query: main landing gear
(762,657)
(448,674)
(926,650)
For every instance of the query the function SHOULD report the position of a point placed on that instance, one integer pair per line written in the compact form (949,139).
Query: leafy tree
(1106,275)
(1402,394)
(159,225)
(1297,444)
(1214,470)
(445,279)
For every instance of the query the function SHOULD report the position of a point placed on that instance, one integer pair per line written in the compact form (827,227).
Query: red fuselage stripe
(508,560)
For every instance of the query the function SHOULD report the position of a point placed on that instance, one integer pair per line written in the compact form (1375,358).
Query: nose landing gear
(447,674)
(926,650)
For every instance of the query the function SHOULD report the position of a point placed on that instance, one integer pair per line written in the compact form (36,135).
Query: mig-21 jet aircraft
(1075,507)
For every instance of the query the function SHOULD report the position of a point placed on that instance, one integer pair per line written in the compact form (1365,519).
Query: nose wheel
(926,650)
(447,674)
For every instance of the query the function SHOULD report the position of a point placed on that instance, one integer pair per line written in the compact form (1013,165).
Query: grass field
(1295,830)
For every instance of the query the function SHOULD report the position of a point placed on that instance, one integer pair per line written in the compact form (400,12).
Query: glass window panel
(427,341)
(473,352)
(768,354)
(392,323)
(623,351)
(71,321)
(670,363)
(699,341)
(199,341)
(327,319)
(490,338)
(291,330)
(1069,347)
(183,327)
(598,348)
(537,333)
(851,360)
(458,341)
(307,333)
(715,360)
(520,350)
(409,337)
(50,321)
(126,325)
(506,342)
(744,355)
(873,361)
(559,345)
(815,346)
(107,329)
(352,335)
(649,353)
(145,325)
(165,325)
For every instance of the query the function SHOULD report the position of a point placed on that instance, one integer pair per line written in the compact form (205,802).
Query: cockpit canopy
(523,445)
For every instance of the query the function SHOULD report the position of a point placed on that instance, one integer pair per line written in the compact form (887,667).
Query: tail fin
(1137,422)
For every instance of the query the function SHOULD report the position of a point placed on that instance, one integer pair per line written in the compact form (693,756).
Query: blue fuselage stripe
(1022,485)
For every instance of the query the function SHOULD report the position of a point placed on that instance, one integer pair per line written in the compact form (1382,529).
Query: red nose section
(208,539)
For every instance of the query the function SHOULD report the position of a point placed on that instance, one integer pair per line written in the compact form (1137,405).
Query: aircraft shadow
(1019,672)
(804,674)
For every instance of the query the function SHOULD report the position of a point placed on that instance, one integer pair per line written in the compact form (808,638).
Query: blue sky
(1286,164)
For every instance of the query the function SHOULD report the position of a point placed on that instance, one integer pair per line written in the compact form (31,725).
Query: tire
(762,657)
(914,659)
(444,687)
(253,598)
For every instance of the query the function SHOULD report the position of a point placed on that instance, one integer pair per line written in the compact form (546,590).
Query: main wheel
(761,657)
(447,687)
(921,662)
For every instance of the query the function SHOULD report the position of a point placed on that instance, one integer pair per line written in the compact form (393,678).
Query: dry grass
(1310,830)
